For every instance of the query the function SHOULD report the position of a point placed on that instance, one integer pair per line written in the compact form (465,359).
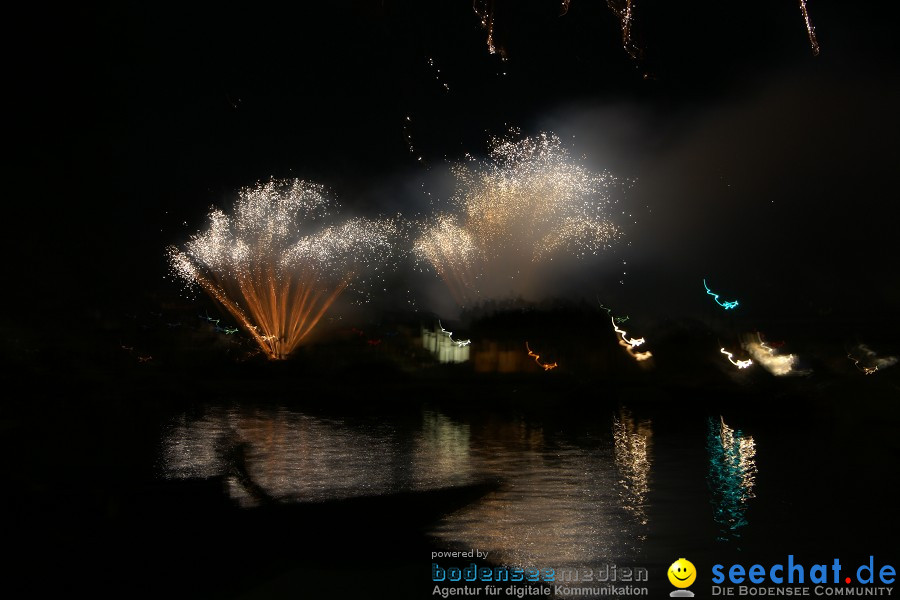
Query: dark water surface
(238,496)
(637,478)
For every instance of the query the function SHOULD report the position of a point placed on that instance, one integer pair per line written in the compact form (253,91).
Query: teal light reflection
(731,478)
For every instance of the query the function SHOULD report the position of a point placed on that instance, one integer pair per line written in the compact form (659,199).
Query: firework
(537,359)
(216,327)
(740,364)
(874,361)
(810,30)
(437,75)
(278,263)
(441,344)
(528,203)
(485,11)
(615,319)
(624,10)
(776,364)
(459,343)
(630,343)
(451,250)
(726,304)
(633,342)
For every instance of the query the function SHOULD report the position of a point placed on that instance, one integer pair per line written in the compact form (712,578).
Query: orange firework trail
(537,359)
(276,265)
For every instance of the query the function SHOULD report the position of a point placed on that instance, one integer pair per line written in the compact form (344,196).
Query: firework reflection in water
(527,204)
(288,456)
(280,261)
(731,478)
(633,441)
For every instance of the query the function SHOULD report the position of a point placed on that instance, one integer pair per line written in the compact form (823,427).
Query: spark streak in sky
(537,359)
(460,343)
(278,262)
(810,30)
(485,11)
(624,10)
(727,304)
(630,343)
(615,319)
(218,328)
(873,362)
(740,364)
(863,368)
(633,342)
(527,204)
(771,361)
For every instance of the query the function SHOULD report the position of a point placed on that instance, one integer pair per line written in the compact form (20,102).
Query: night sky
(757,165)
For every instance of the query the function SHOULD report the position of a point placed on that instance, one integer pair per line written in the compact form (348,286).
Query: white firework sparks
(279,262)
(527,203)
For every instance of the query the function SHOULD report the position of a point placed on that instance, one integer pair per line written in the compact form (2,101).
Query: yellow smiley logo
(682,573)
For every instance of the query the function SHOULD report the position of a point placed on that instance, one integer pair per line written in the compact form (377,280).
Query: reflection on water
(632,447)
(732,475)
(561,502)
(441,453)
(295,457)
